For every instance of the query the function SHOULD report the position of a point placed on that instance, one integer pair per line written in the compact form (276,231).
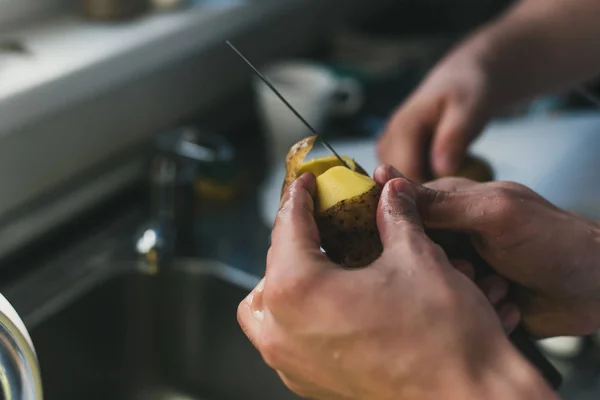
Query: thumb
(397,212)
(461,211)
(295,228)
(457,128)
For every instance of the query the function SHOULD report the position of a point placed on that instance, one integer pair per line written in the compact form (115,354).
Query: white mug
(313,91)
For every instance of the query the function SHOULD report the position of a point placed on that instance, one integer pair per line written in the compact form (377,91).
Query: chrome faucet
(156,241)
(181,154)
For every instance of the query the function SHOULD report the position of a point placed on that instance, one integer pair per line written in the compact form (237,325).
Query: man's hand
(553,255)
(409,326)
(535,47)
(429,134)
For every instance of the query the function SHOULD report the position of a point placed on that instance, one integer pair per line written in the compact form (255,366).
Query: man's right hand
(553,255)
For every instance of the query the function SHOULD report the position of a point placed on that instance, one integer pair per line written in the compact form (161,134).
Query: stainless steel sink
(169,336)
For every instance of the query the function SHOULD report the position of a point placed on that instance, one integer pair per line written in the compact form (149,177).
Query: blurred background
(141,163)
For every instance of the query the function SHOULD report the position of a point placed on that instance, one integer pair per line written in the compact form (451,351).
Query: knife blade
(280,96)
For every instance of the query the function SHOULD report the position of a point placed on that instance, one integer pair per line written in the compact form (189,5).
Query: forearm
(539,46)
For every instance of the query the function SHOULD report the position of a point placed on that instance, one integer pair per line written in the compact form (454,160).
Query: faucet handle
(206,162)
(163,184)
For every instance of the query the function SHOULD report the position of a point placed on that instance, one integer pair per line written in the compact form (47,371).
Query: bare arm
(540,46)
(537,46)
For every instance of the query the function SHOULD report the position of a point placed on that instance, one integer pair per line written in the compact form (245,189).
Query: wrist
(537,48)
(476,56)
(503,374)
(513,53)
(490,52)
(496,371)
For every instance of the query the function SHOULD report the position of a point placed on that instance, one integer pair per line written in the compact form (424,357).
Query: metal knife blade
(278,94)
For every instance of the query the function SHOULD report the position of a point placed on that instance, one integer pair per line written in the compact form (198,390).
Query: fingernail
(259,288)
(392,173)
(510,316)
(307,177)
(261,285)
(403,189)
(497,292)
(249,298)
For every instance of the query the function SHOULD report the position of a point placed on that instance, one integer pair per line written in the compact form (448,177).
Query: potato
(476,169)
(347,199)
(295,165)
(346,215)
(346,205)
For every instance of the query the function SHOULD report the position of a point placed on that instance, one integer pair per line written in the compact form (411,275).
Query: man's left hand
(408,326)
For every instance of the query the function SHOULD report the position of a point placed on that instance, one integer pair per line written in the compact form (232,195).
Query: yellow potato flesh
(345,205)
(338,184)
(319,165)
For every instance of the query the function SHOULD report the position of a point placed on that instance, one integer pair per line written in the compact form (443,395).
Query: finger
(250,313)
(494,287)
(405,142)
(453,135)
(466,210)
(295,262)
(384,173)
(451,184)
(397,211)
(464,267)
(295,227)
(510,316)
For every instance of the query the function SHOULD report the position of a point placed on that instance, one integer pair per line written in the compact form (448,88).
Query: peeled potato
(295,165)
(322,164)
(346,205)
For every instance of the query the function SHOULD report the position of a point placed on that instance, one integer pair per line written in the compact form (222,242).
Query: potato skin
(349,233)
(476,169)
(295,157)
(348,230)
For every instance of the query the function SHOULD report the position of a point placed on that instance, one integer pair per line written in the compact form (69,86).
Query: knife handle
(459,246)
(522,341)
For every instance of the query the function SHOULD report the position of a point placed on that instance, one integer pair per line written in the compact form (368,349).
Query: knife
(459,246)
(300,117)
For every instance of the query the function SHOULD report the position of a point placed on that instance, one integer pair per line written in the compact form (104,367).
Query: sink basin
(105,331)
(169,336)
